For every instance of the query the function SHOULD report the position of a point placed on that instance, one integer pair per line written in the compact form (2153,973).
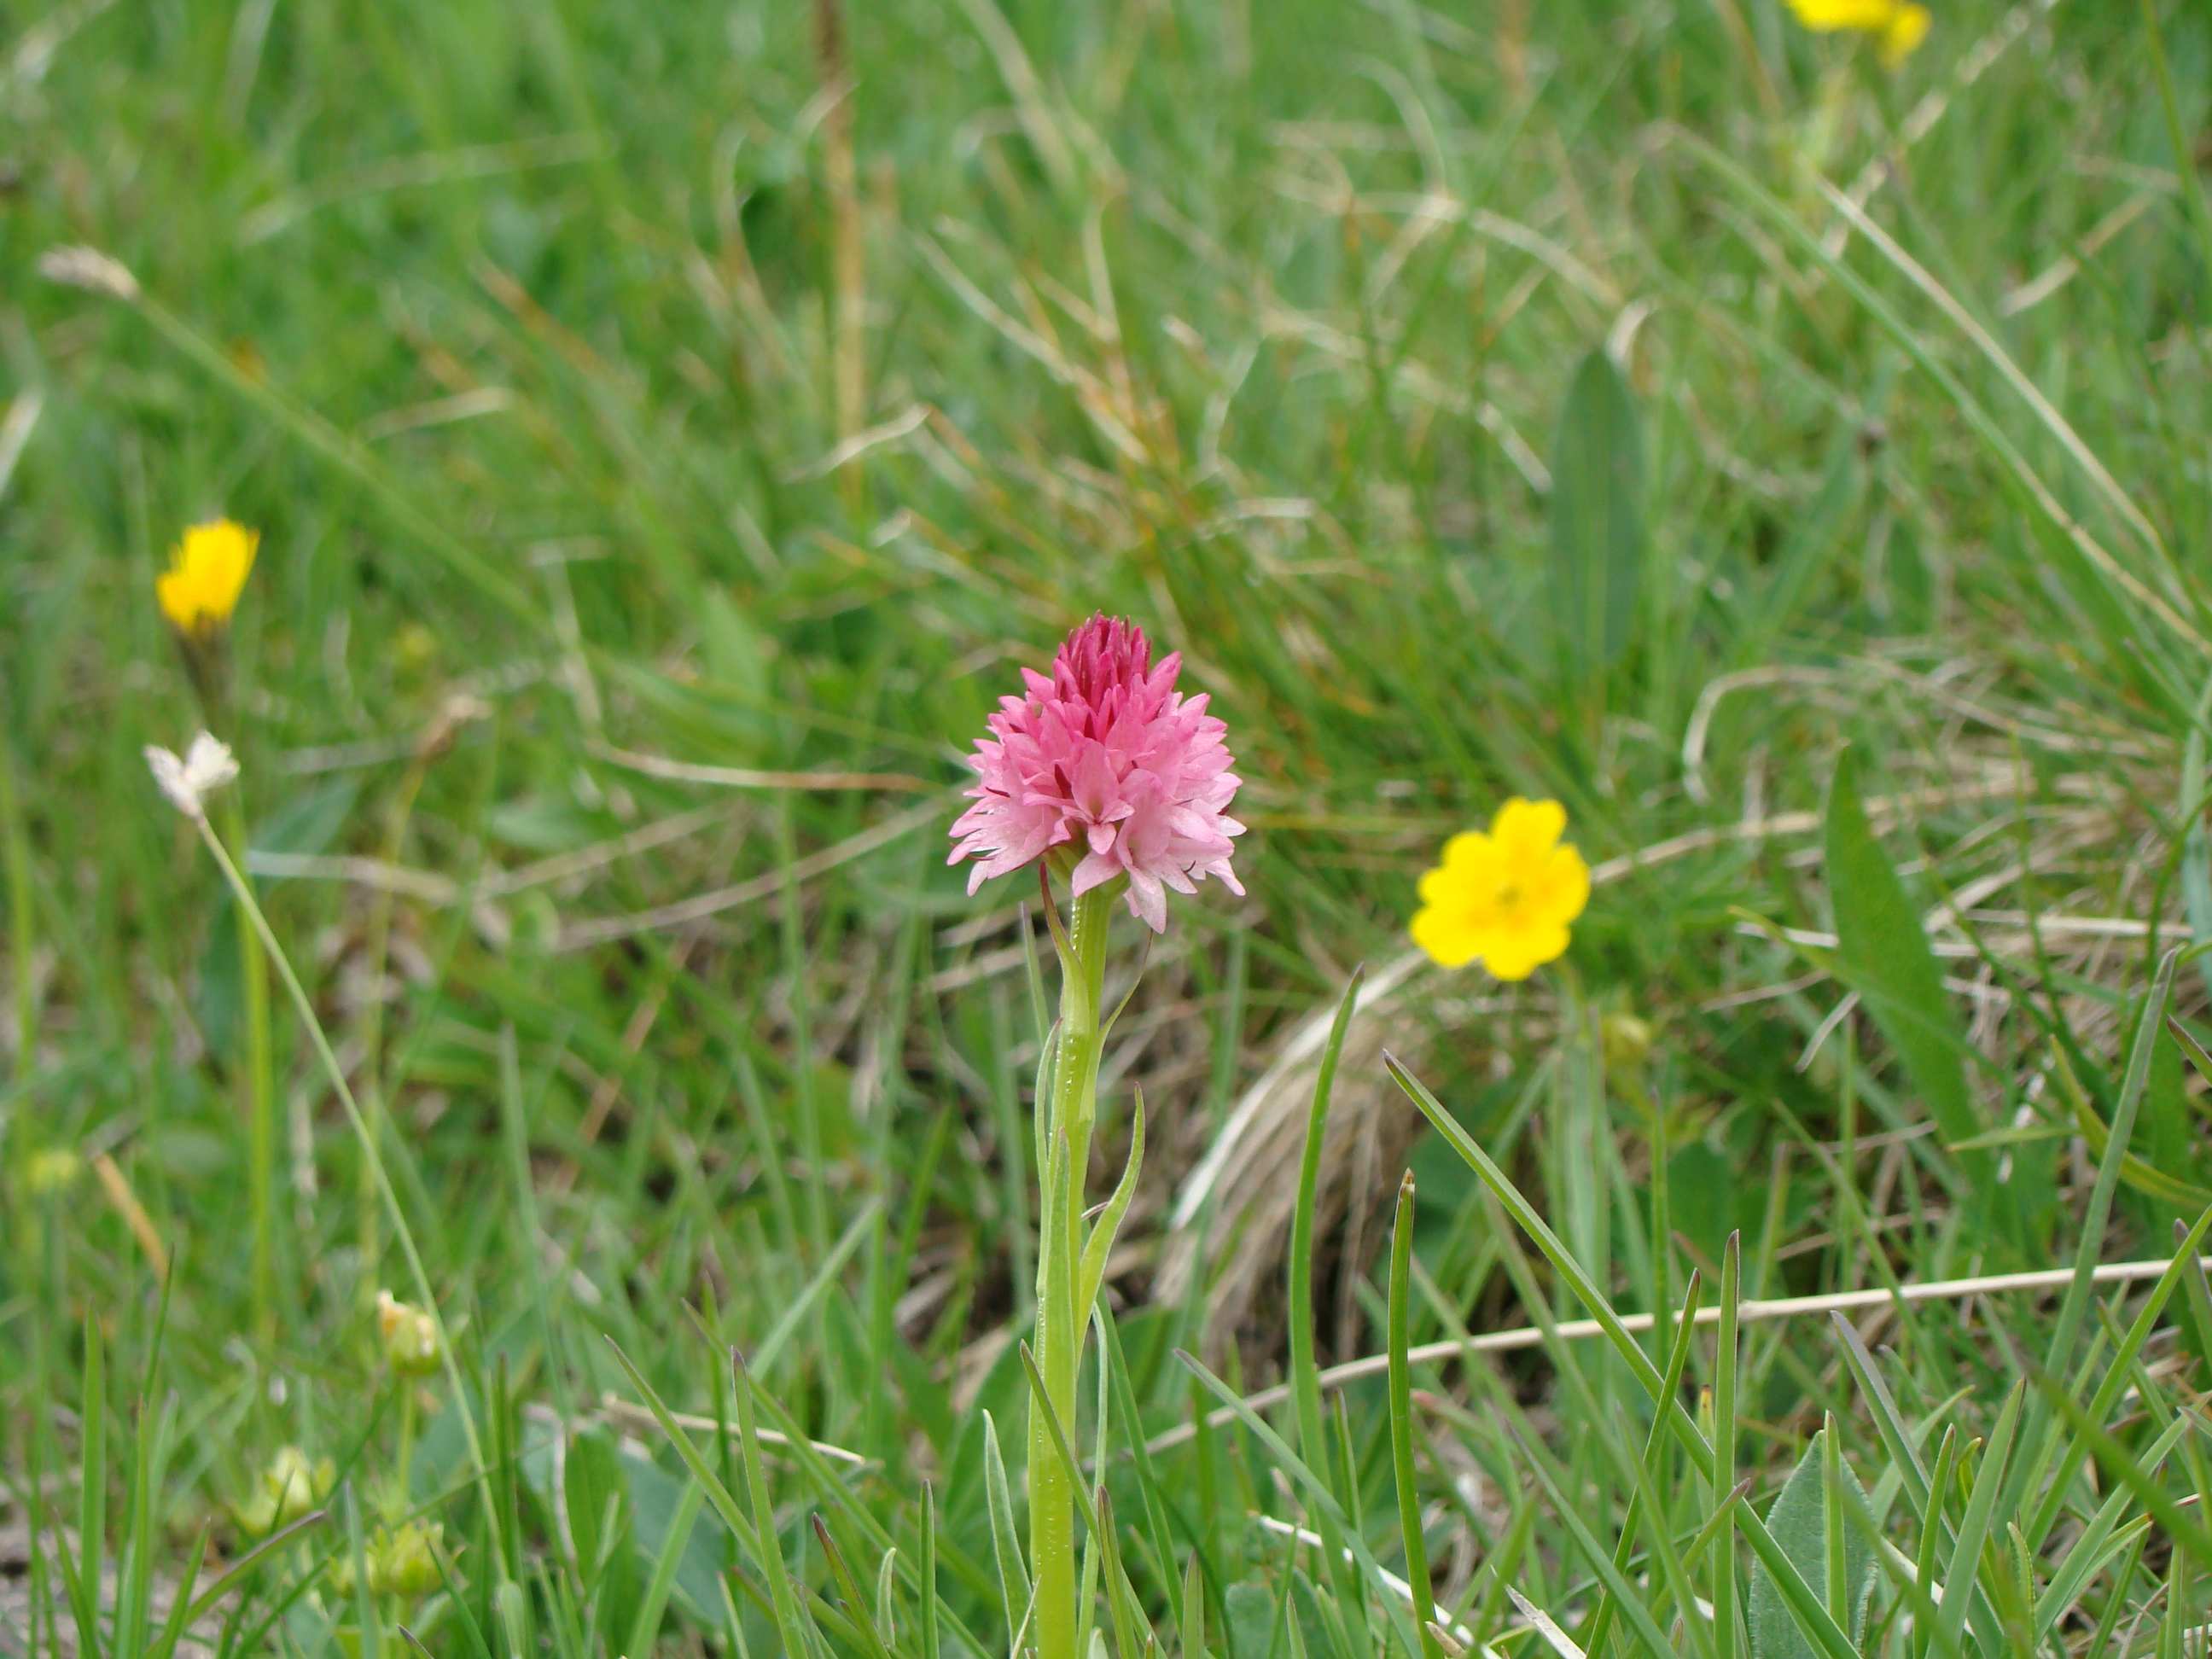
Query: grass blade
(1401,1423)
(856,1605)
(768,1550)
(1976,1522)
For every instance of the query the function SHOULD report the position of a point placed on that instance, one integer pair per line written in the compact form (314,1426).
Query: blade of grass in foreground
(1305,1372)
(2122,1464)
(1620,1593)
(1724,1382)
(2039,1441)
(1319,1496)
(1640,1504)
(1807,1609)
(767,1549)
(2117,1374)
(1401,1424)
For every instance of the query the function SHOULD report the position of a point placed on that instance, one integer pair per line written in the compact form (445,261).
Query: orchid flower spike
(1108,770)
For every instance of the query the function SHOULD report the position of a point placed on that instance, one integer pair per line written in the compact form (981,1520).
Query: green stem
(380,954)
(1065,1144)
(260,1099)
(22,944)
(405,1501)
(402,1235)
(22,935)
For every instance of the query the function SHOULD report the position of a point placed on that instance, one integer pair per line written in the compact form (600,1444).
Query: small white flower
(207,766)
(89,269)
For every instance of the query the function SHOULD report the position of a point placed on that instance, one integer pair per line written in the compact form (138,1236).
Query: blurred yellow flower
(1506,896)
(51,1169)
(207,572)
(287,1490)
(1898,25)
(410,1336)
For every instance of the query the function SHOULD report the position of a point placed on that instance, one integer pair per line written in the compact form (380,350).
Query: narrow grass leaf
(2184,1264)
(887,1596)
(1140,1458)
(856,1231)
(173,1628)
(725,1504)
(1812,1614)
(1401,1423)
(928,1598)
(1642,1506)
(1633,1606)
(1546,1626)
(870,1639)
(1977,1521)
(768,1550)
(1881,1406)
(274,1545)
(1320,1499)
(1724,1494)
(2123,1466)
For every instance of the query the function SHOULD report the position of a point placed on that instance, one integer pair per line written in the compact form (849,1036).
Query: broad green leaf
(1799,1524)
(676,1538)
(1883,954)
(1597,519)
(601,1525)
(659,1504)
(1810,543)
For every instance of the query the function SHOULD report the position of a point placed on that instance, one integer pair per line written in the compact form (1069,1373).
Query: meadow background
(1628,403)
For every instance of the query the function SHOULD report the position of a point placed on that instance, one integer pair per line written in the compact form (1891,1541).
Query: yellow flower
(207,571)
(1900,25)
(1506,896)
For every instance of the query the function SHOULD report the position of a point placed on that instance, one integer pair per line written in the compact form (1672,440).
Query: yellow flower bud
(404,1562)
(410,1336)
(51,1169)
(1624,1040)
(289,1488)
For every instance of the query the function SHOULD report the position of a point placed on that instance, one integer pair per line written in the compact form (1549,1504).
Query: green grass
(518,332)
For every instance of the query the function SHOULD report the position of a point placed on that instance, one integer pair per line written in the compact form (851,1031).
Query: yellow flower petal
(1505,897)
(1827,16)
(1517,957)
(1564,882)
(1899,25)
(207,572)
(1906,30)
(1528,829)
(1447,938)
